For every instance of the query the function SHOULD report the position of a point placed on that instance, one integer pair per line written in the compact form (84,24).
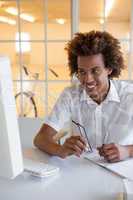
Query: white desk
(78,178)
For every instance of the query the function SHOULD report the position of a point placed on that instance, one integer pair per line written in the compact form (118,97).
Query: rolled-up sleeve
(61,112)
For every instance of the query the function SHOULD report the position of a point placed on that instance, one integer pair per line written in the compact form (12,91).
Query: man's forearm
(51,148)
(47,146)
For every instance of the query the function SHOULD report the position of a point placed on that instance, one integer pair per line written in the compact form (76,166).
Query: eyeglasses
(80,127)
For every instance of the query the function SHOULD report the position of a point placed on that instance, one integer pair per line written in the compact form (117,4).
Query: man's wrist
(57,150)
(130,150)
(61,152)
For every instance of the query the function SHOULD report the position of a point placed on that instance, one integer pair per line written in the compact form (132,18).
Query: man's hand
(74,145)
(113,152)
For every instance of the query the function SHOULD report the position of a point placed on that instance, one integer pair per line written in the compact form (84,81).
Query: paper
(96,158)
(122,168)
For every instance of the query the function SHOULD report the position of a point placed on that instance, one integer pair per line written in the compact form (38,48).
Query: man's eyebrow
(82,68)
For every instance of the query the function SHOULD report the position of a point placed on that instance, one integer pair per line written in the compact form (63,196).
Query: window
(34,34)
(113,16)
(25,46)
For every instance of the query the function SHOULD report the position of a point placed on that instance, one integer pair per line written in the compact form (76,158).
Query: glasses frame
(79,127)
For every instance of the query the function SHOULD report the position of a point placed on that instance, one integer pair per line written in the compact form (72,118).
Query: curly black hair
(95,42)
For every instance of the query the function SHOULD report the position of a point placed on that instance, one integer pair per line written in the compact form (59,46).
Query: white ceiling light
(27,17)
(24,16)
(101,21)
(108,6)
(12,10)
(11,22)
(7,20)
(60,20)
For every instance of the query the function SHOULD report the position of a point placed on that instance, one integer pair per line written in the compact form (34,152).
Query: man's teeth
(90,86)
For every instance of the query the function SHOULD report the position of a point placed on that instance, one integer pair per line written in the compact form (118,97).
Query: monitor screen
(11,160)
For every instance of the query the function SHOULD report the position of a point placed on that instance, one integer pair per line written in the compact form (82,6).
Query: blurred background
(33,34)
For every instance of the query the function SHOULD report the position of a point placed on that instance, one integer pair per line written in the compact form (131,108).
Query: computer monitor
(11,160)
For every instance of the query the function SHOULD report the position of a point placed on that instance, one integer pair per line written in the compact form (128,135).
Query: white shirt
(111,121)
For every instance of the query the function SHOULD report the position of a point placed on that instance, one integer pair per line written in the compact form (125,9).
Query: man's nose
(89,77)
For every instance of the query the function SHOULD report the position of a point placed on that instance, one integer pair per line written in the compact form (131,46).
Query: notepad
(40,169)
(123,168)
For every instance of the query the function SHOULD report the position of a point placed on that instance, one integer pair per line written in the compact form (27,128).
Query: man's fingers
(79,138)
(115,159)
(110,152)
(74,148)
(100,150)
(113,152)
(108,146)
(111,156)
(75,145)
(78,143)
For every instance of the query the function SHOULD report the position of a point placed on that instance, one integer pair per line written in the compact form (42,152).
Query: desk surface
(78,179)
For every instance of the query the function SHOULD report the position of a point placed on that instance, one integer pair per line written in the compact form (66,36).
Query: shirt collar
(112,95)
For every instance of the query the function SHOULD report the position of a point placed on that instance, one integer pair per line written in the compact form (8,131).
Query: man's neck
(100,98)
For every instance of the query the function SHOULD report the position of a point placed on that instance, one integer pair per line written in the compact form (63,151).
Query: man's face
(94,76)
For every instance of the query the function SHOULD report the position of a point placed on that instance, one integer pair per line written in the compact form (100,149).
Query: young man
(100,105)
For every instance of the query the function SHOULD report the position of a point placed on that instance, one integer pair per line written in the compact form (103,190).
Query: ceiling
(95,8)
(89,9)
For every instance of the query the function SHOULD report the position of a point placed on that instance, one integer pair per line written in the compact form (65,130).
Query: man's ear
(109,70)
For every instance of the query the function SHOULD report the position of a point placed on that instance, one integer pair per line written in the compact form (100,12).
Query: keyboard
(39,169)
